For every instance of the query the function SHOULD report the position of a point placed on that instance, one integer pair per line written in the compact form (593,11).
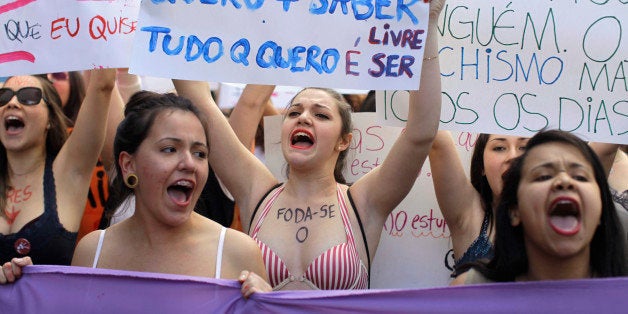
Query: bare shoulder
(233,238)
(243,253)
(86,249)
(239,243)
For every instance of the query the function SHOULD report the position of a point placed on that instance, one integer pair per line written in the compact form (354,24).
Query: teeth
(301,134)
(9,118)
(184,183)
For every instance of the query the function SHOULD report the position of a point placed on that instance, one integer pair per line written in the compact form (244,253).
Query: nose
(13,102)
(562,181)
(512,154)
(186,163)
(305,118)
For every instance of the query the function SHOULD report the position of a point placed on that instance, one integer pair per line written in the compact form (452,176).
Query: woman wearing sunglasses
(44,178)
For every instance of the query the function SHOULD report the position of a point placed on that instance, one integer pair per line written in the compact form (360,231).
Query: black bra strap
(366,244)
(260,203)
(50,194)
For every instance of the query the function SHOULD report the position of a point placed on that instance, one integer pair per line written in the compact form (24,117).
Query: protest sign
(63,35)
(516,67)
(360,44)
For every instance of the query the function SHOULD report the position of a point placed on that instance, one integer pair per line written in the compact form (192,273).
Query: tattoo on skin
(17,196)
(299,215)
(11,215)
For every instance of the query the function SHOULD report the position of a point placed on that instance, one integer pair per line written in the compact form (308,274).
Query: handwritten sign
(360,44)
(415,245)
(63,35)
(516,67)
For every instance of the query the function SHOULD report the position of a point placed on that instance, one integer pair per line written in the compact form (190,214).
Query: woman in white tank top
(161,158)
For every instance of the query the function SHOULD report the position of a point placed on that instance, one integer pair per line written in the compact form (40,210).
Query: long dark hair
(77,94)
(511,260)
(479,180)
(55,138)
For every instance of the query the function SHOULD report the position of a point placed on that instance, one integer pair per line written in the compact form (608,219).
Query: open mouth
(13,124)
(564,216)
(181,192)
(301,139)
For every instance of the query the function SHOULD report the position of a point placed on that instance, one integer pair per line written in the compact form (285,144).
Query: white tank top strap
(221,243)
(98,248)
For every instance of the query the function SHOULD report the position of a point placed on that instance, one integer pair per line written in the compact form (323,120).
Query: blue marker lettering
(241,57)
(154,35)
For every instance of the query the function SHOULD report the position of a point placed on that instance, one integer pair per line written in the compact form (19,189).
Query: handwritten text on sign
(518,67)
(343,44)
(40,36)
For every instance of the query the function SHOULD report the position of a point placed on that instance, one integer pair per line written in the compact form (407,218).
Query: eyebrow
(551,165)
(503,139)
(315,105)
(178,140)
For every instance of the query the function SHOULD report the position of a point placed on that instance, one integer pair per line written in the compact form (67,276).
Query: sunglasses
(58,76)
(28,96)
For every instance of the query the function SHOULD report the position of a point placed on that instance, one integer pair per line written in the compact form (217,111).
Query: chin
(178,217)
(568,250)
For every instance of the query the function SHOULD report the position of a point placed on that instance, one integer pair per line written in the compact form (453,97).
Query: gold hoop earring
(131,181)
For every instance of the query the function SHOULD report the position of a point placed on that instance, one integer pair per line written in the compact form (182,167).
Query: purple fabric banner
(62,289)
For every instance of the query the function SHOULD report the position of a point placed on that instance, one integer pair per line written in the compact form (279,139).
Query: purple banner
(62,289)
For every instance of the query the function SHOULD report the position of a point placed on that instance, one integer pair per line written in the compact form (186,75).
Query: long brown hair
(55,137)
(77,94)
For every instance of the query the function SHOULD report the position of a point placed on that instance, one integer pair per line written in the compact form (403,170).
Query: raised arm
(381,190)
(116,114)
(86,141)
(606,152)
(463,212)
(249,110)
(127,84)
(116,111)
(246,178)
(74,164)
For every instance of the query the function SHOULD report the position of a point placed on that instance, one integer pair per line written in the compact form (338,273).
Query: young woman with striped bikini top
(315,231)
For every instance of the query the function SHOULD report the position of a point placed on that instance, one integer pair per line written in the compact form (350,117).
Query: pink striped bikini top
(337,268)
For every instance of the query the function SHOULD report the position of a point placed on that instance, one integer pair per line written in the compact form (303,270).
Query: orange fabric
(96,198)
(236,223)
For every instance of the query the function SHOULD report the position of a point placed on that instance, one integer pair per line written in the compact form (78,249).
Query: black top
(50,243)
(213,203)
